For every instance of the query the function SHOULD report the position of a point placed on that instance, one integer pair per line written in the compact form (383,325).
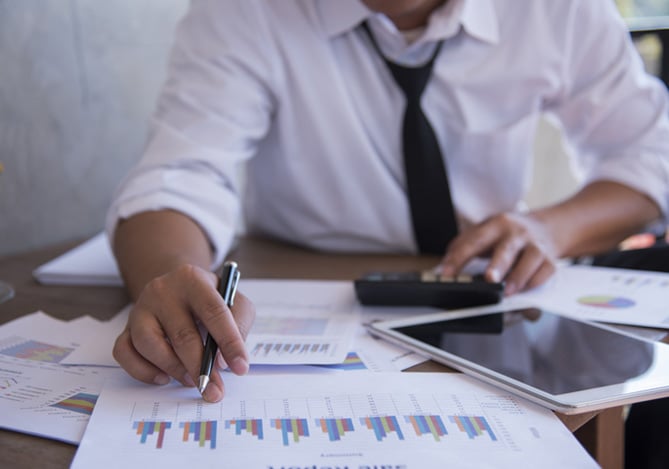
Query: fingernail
(161,379)
(212,393)
(494,275)
(188,381)
(239,366)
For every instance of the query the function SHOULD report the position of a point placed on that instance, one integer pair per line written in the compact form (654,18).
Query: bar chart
(303,323)
(251,427)
(295,427)
(34,350)
(383,426)
(146,429)
(310,350)
(202,432)
(428,425)
(81,402)
(473,426)
(353,362)
(327,420)
(335,428)
(368,420)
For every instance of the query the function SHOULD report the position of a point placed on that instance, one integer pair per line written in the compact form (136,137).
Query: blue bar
(422,424)
(212,442)
(489,429)
(440,424)
(259,426)
(471,431)
(284,431)
(332,429)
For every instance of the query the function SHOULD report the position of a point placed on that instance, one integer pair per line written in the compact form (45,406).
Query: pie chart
(606,301)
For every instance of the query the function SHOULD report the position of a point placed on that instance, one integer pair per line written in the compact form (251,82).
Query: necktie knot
(412,80)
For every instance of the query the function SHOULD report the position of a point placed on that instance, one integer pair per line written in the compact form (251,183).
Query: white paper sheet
(90,263)
(301,322)
(37,394)
(619,296)
(96,348)
(398,420)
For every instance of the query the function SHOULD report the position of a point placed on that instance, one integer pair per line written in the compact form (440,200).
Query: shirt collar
(477,17)
(340,16)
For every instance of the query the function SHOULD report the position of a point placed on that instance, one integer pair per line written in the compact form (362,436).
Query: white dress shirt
(294,92)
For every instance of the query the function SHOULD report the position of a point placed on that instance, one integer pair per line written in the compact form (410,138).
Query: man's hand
(162,338)
(520,248)
(523,248)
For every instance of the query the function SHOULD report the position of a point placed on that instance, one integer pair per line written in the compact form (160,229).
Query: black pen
(227,287)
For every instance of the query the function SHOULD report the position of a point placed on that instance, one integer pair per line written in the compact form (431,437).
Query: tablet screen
(539,348)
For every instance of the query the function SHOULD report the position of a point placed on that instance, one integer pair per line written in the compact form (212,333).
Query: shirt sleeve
(214,108)
(614,114)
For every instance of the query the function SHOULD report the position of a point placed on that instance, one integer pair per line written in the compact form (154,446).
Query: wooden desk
(601,433)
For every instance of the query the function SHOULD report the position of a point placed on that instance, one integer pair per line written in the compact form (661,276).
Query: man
(302,93)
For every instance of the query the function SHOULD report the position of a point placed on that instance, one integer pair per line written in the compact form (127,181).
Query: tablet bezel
(569,403)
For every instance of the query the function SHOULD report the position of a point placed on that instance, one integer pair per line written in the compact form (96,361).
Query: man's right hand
(162,338)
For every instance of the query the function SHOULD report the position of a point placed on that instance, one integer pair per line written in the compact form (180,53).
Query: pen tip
(202,385)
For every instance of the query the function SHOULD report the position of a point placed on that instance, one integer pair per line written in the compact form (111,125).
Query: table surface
(258,258)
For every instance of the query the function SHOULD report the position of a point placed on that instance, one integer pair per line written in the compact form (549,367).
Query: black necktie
(432,211)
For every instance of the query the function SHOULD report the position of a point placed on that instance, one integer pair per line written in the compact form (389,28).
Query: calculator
(426,289)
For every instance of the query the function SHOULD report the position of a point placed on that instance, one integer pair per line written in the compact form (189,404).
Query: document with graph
(301,321)
(398,420)
(619,296)
(37,394)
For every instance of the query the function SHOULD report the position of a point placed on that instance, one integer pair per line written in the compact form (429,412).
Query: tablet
(565,364)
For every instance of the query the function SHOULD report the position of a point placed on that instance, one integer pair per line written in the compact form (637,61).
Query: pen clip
(235,281)
(227,286)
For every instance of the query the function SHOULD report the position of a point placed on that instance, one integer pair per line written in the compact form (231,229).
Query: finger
(503,258)
(244,313)
(229,334)
(468,245)
(149,340)
(542,275)
(244,323)
(220,361)
(181,348)
(214,391)
(134,364)
(527,265)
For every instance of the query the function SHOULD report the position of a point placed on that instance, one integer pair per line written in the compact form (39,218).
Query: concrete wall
(78,79)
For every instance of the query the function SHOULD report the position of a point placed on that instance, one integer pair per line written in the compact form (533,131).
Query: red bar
(300,427)
(390,423)
(161,433)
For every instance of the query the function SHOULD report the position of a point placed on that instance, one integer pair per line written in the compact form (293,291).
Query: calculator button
(428,276)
